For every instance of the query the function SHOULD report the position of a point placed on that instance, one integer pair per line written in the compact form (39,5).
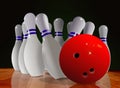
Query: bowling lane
(14,79)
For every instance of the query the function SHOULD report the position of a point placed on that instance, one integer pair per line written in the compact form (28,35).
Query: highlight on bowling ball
(84,59)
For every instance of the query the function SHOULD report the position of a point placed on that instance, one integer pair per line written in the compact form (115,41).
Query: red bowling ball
(84,58)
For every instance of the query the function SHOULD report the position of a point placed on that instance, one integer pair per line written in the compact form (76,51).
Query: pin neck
(58,33)
(72,34)
(19,38)
(45,32)
(25,36)
(31,31)
(103,39)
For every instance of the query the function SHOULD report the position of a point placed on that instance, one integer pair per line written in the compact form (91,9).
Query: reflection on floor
(14,79)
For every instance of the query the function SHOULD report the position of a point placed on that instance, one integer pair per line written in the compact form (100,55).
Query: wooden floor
(13,79)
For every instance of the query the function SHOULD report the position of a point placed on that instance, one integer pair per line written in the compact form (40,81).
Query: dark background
(98,11)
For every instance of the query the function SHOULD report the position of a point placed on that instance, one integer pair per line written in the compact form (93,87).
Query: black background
(98,11)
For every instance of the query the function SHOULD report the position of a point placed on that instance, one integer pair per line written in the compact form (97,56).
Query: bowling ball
(84,58)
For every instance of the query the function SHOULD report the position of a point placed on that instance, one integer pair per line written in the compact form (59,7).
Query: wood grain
(14,79)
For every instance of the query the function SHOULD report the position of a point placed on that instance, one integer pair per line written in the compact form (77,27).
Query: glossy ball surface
(84,58)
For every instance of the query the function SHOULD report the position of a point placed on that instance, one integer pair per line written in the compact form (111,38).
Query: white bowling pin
(58,26)
(33,49)
(76,27)
(21,51)
(69,27)
(89,28)
(50,26)
(103,31)
(15,51)
(50,29)
(51,47)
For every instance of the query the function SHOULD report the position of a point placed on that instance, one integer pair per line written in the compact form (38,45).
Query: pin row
(33,57)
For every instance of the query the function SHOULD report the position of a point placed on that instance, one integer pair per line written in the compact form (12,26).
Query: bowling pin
(51,47)
(33,48)
(76,27)
(103,31)
(15,51)
(69,27)
(50,26)
(21,51)
(58,26)
(89,28)
(50,29)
